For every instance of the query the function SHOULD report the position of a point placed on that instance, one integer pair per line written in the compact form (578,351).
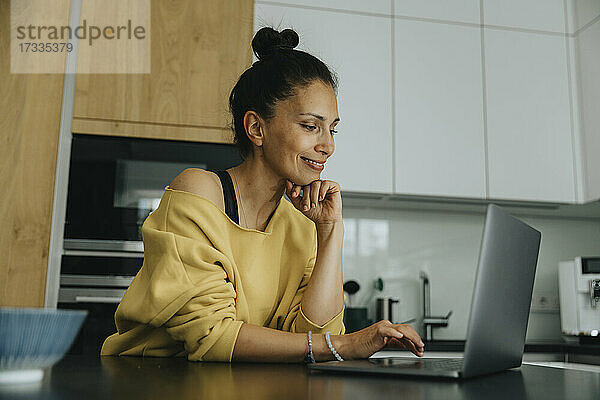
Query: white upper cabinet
(541,15)
(439,141)
(425,113)
(358,48)
(530,149)
(446,10)
(588,50)
(581,13)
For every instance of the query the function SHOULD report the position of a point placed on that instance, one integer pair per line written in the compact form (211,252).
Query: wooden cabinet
(357,48)
(29,130)
(198,51)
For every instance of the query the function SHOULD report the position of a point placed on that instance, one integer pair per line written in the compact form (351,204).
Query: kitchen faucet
(430,321)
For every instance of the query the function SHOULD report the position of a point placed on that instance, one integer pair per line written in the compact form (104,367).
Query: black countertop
(81,377)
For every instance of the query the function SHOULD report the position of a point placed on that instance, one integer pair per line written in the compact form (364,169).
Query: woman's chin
(306,177)
(311,178)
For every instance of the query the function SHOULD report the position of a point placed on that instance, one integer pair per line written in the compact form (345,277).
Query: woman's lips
(313,164)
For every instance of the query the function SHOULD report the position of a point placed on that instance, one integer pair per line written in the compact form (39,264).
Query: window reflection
(140,184)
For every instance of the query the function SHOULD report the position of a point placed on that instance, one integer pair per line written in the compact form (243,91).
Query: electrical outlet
(544,302)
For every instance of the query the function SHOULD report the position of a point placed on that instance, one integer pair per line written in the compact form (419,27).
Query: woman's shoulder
(200,182)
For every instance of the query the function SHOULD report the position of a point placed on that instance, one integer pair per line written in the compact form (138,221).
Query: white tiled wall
(397,244)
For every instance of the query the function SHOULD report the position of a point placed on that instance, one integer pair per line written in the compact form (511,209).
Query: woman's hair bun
(267,41)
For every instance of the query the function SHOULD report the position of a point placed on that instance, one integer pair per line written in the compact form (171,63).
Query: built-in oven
(114,184)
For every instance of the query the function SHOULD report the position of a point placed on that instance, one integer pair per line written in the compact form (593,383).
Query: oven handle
(97,299)
(94,253)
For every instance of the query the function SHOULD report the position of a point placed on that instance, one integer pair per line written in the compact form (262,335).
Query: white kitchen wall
(398,244)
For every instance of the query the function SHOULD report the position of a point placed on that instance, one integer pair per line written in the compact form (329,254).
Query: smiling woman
(218,286)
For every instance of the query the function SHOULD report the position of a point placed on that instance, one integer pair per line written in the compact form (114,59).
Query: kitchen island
(107,377)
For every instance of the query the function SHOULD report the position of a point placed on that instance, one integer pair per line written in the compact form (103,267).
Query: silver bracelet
(310,358)
(335,353)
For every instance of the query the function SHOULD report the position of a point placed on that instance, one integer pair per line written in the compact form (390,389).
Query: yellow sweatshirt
(203,275)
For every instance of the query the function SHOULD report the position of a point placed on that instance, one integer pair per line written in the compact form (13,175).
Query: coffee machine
(579,290)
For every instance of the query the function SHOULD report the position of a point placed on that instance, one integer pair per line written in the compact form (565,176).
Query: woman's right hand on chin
(370,340)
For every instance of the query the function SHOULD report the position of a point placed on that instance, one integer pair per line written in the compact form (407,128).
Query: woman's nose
(326,144)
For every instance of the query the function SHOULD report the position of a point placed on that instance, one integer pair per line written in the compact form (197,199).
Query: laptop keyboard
(443,364)
(433,364)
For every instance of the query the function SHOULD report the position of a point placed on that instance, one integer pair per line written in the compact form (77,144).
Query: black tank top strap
(231,208)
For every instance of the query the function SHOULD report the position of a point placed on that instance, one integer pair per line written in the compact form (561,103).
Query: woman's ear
(253,127)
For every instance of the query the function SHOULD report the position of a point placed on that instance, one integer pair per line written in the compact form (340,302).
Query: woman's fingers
(315,189)
(393,333)
(410,333)
(323,191)
(405,343)
(396,343)
(293,190)
(409,337)
(306,198)
(411,346)
(310,194)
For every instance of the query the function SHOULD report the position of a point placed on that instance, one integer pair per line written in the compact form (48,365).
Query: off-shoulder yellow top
(203,275)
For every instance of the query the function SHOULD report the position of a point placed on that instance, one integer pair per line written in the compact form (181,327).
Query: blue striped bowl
(32,339)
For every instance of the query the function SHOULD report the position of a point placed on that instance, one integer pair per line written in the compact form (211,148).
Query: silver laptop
(499,309)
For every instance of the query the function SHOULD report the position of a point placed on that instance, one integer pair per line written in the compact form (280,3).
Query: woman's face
(301,129)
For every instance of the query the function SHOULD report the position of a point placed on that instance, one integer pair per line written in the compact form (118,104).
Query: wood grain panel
(199,49)
(30,105)
(152,131)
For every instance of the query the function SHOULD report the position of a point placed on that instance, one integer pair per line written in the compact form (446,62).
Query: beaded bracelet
(310,358)
(335,353)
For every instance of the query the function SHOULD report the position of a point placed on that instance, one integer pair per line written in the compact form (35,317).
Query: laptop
(499,309)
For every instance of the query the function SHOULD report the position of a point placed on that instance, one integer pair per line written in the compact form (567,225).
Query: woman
(213,288)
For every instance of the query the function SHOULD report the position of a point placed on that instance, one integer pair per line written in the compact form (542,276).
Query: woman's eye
(312,128)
